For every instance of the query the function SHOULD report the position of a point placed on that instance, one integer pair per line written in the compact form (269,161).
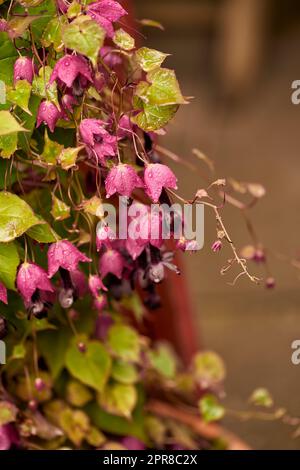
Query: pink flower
(157,177)
(62,5)
(125,127)
(3,25)
(134,248)
(8,436)
(23,69)
(31,277)
(48,114)
(111,262)
(122,179)
(96,285)
(64,255)
(106,12)
(109,57)
(100,143)
(3,293)
(216,246)
(104,236)
(131,443)
(68,101)
(69,67)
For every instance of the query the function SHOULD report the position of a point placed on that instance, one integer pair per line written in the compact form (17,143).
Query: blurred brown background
(238,59)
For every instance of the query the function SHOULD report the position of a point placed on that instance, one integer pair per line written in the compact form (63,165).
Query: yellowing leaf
(19,24)
(153,118)
(210,408)
(9,261)
(67,158)
(124,342)
(51,150)
(8,124)
(124,40)
(118,399)
(8,145)
(20,95)
(60,210)
(149,59)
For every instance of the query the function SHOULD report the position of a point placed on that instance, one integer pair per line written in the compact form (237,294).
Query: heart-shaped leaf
(8,124)
(20,95)
(118,399)
(149,59)
(124,342)
(85,36)
(16,216)
(91,367)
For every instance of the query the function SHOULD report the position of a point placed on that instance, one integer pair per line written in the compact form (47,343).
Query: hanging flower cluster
(84,106)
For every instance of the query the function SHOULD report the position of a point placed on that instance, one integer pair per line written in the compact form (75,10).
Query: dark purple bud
(82,347)
(216,246)
(3,327)
(32,405)
(270,283)
(259,256)
(39,384)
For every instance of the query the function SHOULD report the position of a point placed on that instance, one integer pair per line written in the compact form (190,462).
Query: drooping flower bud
(100,143)
(96,285)
(156,272)
(157,177)
(122,179)
(48,114)
(23,69)
(216,246)
(63,254)
(111,262)
(31,277)
(3,293)
(65,298)
(270,283)
(69,67)
(39,384)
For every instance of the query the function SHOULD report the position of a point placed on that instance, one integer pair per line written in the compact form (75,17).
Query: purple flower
(216,246)
(111,262)
(23,69)
(131,443)
(110,57)
(157,177)
(8,436)
(3,293)
(122,179)
(96,285)
(99,142)
(31,277)
(48,114)
(68,101)
(63,5)
(3,25)
(69,67)
(64,255)
(104,236)
(105,13)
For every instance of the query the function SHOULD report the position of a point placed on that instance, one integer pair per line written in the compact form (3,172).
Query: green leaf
(163,361)
(29,122)
(210,408)
(208,368)
(67,158)
(16,217)
(91,367)
(9,261)
(53,33)
(152,23)
(19,24)
(43,233)
(124,373)
(78,394)
(124,342)
(93,206)
(85,36)
(8,412)
(18,352)
(124,40)
(164,89)
(54,356)
(152,118)
(51,150)
(149,59)
(262,397)
(20,95)
(8,145)
(41,87)
(60,210)
(74,10)
(118,399)
(8,124)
